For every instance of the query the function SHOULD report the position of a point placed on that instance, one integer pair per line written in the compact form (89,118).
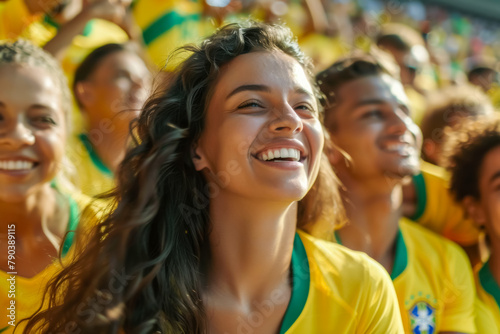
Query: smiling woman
(36,212)
(205,232)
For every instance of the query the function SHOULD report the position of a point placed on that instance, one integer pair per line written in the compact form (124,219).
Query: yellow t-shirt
(436,208)
(24,295)
(488,293)
(92,176)
(337,290)
(434,282)
(14,18)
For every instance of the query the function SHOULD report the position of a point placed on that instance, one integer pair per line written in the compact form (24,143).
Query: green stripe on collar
(337,237)
(401,256)
(300,286)
(93,156)
(419,182)
(74,218)
(488,282)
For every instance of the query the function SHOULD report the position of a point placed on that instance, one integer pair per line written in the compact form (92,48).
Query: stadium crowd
(248,166)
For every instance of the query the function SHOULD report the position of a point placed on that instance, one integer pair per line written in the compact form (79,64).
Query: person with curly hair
(38,207)
(206,236)
(472,155)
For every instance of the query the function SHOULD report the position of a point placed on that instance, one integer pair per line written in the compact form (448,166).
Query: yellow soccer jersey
(436,208)
(92,177)
(23,295)
(337,290)
(488,293)
(433,281)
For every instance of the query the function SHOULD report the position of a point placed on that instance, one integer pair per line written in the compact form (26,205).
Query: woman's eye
(306,109)
(250,104)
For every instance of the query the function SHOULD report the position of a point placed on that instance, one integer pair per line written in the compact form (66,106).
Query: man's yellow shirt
(436,208)
(91,175)
(433,281)
(488,292)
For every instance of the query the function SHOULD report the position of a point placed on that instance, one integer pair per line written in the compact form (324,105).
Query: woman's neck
(251,245)
(38,224)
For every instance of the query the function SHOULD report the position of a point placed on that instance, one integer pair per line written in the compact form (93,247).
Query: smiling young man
(376,149)
(473,157)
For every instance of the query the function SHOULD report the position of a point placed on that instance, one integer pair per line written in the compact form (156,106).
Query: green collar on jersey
(419,183)
(488,282)
(401,257)
(300,284)
(93,156)
(74,218)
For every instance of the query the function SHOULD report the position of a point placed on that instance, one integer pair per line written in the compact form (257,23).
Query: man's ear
(198,157)
(84,93)
(474,210)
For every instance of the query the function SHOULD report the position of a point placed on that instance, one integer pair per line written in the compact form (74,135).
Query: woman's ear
(474,210)
(198,157)
(84,93)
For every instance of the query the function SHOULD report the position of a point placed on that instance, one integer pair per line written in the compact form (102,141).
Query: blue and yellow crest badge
(423,318)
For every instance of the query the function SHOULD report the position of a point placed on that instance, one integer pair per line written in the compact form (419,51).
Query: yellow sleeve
(438,211)
(14,18)
(381,313)
(459,294)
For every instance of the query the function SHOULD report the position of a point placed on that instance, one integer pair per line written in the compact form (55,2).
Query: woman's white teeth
(15,165)
(284,153)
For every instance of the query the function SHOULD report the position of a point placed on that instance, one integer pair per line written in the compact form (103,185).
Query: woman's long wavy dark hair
(141,269)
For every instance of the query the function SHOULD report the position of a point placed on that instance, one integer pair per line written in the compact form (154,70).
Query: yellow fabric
(101,32)
(323,50)
(485,320)
(87,177)
(438,275)
(28,291)
(443,214)
(14,18)
(182,24)
(487,309)
(348,293)
(418,104)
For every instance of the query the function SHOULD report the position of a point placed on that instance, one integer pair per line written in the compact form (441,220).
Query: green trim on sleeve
(401,257)
(94,157)
(300,286)
(488,282)
(74,218)
(419,182)
(164,23)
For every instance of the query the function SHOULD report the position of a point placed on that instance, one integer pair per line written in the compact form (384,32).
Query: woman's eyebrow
(258,88)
